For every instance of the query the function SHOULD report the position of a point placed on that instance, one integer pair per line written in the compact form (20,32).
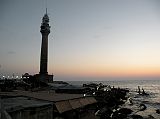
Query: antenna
(46,5)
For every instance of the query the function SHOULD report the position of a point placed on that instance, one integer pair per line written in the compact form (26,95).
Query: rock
(150,117)
(158,111)
(104,113)
(129,101)
(121,113)
(105,116)
(136,117)
(117,115)
(125,111)
(142,107)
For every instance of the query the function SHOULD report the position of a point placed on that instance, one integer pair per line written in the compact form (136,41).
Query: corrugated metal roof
(75,103)
(63,106)
(92,100)
(84,101)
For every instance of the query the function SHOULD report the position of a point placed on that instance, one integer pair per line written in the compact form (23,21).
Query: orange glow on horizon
(110,71)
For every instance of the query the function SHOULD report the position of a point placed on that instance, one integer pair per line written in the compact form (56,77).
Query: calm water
(152,87)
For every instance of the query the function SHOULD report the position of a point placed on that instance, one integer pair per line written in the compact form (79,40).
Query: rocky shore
(117,103)
(140,107)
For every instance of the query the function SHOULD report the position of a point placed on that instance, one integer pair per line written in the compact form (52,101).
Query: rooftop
(63,102)
(18,103)
(43,95)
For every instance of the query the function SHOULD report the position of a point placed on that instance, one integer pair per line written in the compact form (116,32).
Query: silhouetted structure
(45,30)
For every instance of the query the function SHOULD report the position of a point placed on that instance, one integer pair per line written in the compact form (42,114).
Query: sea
(151,87)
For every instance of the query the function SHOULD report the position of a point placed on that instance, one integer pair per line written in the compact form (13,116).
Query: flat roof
(43,95)
(67,105)
(18,103)
(63,102)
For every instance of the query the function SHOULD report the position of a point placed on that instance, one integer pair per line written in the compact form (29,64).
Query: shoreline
(110,102)
(134,106)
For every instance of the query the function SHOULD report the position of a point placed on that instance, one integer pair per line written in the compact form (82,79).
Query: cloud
(97,36)
(102,30)
(107,27)
(11,52)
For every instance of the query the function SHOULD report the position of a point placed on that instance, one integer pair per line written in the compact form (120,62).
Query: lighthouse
(45,30)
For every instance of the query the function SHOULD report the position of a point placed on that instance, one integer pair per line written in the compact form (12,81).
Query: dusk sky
(88,39)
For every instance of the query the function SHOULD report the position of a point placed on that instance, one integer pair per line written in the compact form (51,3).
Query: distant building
(26,75)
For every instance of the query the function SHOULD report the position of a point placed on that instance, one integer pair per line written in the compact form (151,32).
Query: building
(47,105)
(26,108)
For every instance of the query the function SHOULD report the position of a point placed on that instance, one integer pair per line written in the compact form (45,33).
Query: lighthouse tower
(45,30)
